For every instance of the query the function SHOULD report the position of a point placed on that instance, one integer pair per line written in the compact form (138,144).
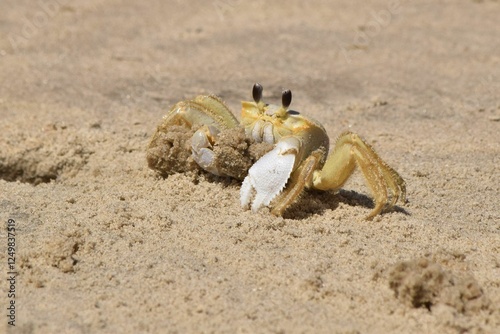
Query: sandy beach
(100,243)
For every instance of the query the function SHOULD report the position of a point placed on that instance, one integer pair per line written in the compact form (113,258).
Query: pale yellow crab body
(298,158)
(270,123)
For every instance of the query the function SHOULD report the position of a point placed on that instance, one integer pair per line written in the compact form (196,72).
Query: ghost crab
(296,160)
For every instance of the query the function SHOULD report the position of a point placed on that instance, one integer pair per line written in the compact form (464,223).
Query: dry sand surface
(105,245)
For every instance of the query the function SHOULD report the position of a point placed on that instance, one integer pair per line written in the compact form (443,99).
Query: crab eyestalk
(286,98)
(257,92)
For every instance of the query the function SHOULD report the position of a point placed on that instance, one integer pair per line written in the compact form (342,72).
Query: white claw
(269,175)
(202,149)
(246,192)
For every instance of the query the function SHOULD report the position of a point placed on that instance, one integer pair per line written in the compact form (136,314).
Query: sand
(105,245)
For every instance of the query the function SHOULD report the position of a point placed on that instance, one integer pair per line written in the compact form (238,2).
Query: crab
(296,156)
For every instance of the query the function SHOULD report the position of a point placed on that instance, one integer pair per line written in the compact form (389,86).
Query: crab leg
(351,151)
(169,148)
(203,110)
(300,178)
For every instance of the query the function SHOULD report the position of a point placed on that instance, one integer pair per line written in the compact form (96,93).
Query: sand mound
(424,283)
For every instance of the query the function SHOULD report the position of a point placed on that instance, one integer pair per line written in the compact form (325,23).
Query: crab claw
(201,148)
(269,175)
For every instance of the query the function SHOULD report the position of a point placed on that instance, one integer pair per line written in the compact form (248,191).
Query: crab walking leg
(203,110)
(301,178)
(206,110)
(269,175)
(351,151)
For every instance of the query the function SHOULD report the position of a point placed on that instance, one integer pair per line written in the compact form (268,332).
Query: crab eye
(286,98)
(257,92)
